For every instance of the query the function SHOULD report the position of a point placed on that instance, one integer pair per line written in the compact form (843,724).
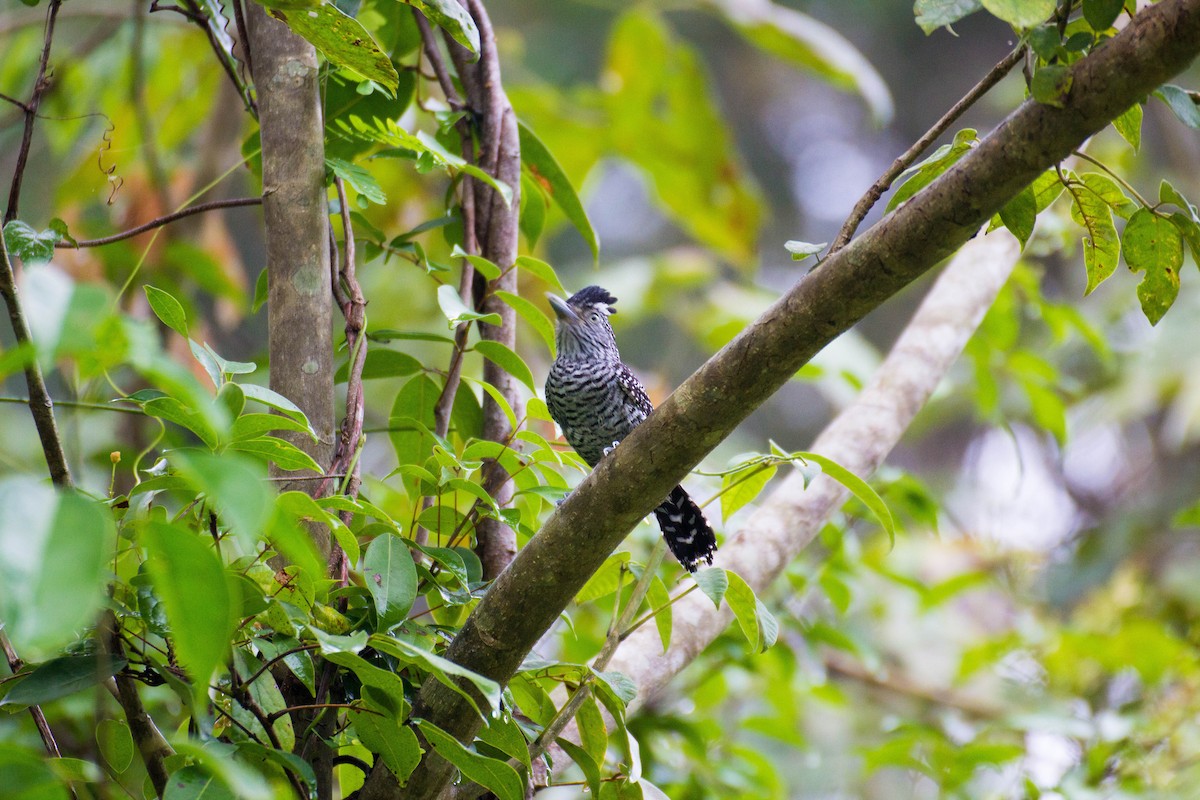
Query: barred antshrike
(597,401)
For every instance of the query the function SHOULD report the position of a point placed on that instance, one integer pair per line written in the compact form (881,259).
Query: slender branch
(199,208)
(40,404)
(39,717)
(868,200)
(41,83)
(205,21)
(80,405)
(1112,174)
(150,742)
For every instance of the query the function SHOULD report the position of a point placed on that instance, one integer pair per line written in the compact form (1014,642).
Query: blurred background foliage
(1033,631)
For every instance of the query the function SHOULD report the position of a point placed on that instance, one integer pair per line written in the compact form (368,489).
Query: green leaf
(541,270)
(234,485)
(359,179)
(280,452)
(507,360)
(659,600)
(1153,244)
(1101,14)
(803,250)
(190,580)
(713,582)
(381,363)
(60,677)
(858,487)
(605,580)
(934,14)
(195,783)
(1020,214)
(451,17)
(1101,246)
(273,399)
(391,578)
(411,419)
(456,310)
(1020,14)
(586,763)
(1129,125)
(551,179)
(442,669)
(1051,84)
(116,743)
(396,744)
(168,310)
(504,734)
(757,623)
(1181,104)
(491,773)
(29,245)
(798,39)
(741,487)
(56,548)
(938,162)
(251,426)
(27,776)
(261,292)
(536,318)
(1190,230)
(343,41)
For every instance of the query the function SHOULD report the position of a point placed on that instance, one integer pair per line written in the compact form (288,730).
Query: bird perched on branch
(597,401)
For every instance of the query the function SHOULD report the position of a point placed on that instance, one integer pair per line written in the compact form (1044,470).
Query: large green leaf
(858,487)
(1154,244)
(343,40)
(60,677)
(757,623)
(396,744)
(167,309)
(934,14)
(28,776)
(492,773)
(391,578)
(442,669)
(1101,246)
(411,419)
(507,360)
(235,487)
(53,550)
(554,182)
(190,580)
(1021,14)
(452,17)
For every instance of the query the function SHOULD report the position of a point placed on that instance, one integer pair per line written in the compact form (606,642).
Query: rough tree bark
(300,300)
(527,598)
(496,229)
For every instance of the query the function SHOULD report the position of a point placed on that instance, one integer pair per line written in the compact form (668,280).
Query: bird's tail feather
(687,532)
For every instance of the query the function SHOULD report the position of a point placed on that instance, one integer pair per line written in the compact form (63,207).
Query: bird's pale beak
(562,309)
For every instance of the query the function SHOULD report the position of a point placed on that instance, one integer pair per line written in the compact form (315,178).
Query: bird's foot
(610,448)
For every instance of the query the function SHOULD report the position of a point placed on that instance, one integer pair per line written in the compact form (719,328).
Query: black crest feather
(593,295)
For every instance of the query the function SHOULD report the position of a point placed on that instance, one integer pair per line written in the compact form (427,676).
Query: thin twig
(40,84)
(868,200)
(39,718)
(80,405)
(164,220)
(150,742)
(227,60)
(40,404)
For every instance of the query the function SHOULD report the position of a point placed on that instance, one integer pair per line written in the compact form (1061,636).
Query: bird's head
(582,328)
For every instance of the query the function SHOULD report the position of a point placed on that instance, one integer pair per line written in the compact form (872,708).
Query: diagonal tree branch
(528,596)
(859,438)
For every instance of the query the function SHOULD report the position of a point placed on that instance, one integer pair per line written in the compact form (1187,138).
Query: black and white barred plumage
(597,401)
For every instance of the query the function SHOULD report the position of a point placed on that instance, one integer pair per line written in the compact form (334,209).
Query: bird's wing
(633,390)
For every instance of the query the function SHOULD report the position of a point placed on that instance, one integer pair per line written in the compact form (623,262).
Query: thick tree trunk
(295,210)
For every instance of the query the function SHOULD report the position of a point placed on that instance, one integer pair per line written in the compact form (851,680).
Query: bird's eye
(594,317)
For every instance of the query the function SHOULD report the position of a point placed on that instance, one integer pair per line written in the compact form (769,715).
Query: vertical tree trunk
(300,302)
